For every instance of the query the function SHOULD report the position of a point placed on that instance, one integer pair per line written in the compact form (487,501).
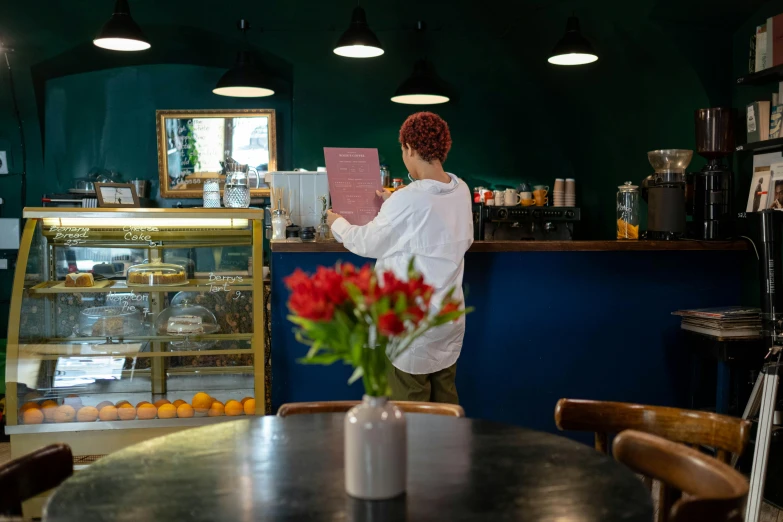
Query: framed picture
(116,195)
(197,145)
(775,198)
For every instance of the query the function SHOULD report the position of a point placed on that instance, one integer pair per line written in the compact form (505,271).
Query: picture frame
(115,195)
(195,145)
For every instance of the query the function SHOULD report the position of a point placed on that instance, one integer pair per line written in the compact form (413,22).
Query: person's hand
(331,217)
(385,194)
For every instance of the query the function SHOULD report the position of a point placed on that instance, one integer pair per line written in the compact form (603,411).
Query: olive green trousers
(427,387)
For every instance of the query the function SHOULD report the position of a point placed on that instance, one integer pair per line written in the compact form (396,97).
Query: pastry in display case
(109,321)
(96,362)
(157,273)
(79,280)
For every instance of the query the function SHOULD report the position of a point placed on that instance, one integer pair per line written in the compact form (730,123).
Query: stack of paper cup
(570,192)
(559,193)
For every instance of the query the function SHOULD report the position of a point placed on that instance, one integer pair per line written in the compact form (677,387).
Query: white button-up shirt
(433,222)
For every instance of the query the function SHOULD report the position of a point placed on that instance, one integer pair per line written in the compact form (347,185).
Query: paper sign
(354,176)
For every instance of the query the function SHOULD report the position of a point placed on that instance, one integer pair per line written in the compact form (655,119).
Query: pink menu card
(354,176)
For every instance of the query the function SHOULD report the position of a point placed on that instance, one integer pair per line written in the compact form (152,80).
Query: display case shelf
(204,285)
(43,356)
(193,422)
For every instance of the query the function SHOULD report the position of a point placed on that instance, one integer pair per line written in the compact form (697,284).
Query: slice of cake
(79,280)
(108,326)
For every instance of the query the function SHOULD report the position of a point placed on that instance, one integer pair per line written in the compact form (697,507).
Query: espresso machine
(664,192)
(517,223)
(713,185)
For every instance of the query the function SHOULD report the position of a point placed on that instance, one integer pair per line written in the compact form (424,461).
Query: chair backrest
(434,408)
(726,434)
(714,491)
(23,478)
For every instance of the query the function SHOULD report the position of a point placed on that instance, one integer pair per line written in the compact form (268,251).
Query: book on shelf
(719,332)
(752,55)
(776,113)
(761,47)
(721,312)
(775,40)
(757,119)
(728,321)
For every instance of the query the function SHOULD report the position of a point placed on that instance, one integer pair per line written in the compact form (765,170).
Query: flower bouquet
(363,319)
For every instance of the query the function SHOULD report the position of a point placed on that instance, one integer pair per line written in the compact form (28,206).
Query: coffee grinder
(713,185)
(664,192)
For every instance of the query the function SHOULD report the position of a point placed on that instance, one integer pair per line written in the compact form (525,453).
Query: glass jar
(211,194)
(397,183)
(385,176)
(279,223)
(628,211)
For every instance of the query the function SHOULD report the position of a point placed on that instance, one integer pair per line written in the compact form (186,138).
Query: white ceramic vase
(376,451)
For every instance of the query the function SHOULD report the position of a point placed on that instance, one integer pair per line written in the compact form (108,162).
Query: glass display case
(127,324)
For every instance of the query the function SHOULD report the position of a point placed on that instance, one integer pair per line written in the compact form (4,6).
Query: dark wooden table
(269,468)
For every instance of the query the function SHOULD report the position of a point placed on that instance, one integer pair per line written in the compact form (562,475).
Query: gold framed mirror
(195,145)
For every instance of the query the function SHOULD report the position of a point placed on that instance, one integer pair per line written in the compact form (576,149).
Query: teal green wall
(516,118)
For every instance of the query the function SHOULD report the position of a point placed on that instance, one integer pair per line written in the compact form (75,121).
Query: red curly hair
(428,134)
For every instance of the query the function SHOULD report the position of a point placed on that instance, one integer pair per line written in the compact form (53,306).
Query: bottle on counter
(385,176)
(628,211)
(279,222)
(397,183)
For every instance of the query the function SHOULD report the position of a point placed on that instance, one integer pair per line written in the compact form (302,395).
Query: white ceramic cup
(499,198)
(511,198)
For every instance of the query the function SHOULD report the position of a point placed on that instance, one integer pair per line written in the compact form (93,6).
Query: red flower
(363,280)
(449,307)
(330,283)
(418,288)
(314,306)
(392,285)
(415,314)
(298,281)
(389,324)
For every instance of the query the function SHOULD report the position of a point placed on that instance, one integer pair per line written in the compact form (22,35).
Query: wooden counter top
(548,246)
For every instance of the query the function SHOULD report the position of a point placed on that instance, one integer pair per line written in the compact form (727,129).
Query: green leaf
(401,305)
(324,359)
(412,267)
(357,374)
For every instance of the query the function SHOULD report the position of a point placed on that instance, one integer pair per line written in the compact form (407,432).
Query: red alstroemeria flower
(330,283)
(448,307)
(364,280)
(298,281)
(313,306)
(415,314)
(389,324)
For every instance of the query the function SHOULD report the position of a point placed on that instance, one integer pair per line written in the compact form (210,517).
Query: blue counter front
(580,323)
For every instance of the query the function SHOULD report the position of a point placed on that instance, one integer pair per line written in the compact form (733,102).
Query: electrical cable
(18,116)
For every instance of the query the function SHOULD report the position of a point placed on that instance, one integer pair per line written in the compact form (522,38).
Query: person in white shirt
(430,220)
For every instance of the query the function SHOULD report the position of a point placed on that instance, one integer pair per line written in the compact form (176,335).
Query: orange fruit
(27,405)
(108,413)
(48,408)
(216,410)
(202,402)
(184,411)
(126,412)
(243,401)
(146,411)
(167,411)
(140,403)
(161,402)
(101,404)
(120,403)
(32,416)
(178,403)
(64,413)
(250,407)
(234,408)
(87,414)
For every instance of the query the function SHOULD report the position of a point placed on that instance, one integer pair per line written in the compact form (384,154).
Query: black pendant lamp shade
(423,87)
(245,79)
(121,33)
(358,41)
(573,48)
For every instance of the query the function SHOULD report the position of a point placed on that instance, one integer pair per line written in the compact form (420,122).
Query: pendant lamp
(358,41)
(423,87)
(573,48)
(121,33)
(245,79)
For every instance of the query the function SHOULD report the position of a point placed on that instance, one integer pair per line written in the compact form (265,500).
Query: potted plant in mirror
(366,320)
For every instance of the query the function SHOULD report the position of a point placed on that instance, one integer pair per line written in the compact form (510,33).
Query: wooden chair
(23,478)
(434,408)
(726,434)
(713,491)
